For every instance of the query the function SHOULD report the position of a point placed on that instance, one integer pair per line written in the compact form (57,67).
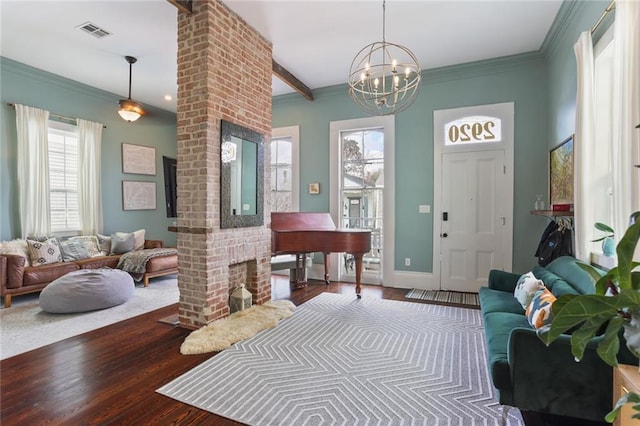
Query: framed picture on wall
(314,188)
(138,195)
(138,159)
(561,173)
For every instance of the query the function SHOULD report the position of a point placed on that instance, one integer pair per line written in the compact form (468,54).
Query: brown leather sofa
(17,279)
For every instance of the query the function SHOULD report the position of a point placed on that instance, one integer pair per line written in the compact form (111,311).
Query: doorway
(362,192)
(473,195)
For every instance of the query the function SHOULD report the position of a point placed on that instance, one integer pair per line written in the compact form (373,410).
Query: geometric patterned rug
(340,360)
(443,297)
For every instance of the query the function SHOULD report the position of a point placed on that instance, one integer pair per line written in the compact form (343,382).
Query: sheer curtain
(33,170)
(584,146)
(90,176)
(626,112)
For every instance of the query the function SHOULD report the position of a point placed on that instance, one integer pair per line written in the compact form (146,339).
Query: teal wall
(28,86)
(541,84)
(543,87)
(520,79)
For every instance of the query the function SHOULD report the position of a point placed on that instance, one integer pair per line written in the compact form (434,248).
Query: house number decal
(473,130)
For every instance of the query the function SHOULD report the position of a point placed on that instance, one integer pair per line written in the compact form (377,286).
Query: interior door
(473,187)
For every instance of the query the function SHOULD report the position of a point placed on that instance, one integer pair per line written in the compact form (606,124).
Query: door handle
(444,235)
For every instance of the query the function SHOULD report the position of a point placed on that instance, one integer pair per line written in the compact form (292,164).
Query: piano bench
(288,261)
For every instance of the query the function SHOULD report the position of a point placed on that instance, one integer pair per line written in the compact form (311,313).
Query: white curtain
(584,146)
(626,112)
(33,170)
(90,176)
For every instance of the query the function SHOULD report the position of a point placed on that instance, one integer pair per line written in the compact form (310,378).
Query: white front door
(473,195)
(472,226)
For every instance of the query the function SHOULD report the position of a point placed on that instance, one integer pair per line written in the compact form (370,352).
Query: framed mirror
(241,176)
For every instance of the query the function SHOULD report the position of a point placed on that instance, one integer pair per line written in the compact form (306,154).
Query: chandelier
(130,110)
(384,77)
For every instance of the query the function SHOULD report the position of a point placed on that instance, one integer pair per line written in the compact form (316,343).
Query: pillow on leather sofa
(73,250)
(122,243)
(138,238)
(90,242)
(44,252)
(18,247)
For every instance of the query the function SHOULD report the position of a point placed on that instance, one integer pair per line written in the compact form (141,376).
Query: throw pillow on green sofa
(526,288)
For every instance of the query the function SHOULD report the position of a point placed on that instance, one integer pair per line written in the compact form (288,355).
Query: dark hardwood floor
(109,376)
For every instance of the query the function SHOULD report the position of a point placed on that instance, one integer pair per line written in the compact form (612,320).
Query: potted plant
(608,245)
(614,306)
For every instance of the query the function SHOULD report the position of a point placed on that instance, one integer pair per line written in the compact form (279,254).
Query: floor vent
(94,30)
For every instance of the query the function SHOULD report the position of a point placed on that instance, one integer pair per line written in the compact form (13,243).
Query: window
(63,177)
(603,169)
(285,185)
(281,165)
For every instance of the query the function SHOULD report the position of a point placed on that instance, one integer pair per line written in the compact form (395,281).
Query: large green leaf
(579,309)
(627,398)
(628,298)
(625,250)
(591,270)
(635,281)
(611,277)
(561,302)
(610,345)
(580,338)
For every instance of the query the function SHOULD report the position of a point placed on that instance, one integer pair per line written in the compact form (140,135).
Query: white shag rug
(24,326)
(241,325)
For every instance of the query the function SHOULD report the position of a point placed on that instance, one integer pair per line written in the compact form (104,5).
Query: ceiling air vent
(94,30)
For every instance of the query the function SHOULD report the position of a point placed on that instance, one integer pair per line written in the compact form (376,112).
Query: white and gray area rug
(24,326)
(343,361)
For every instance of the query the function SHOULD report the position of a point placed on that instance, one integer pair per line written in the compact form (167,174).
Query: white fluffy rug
(223,333)
(24,326)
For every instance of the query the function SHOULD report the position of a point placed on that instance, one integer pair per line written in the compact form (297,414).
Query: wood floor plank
(109,376)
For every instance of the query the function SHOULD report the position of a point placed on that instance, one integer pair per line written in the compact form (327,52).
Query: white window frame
(65,130)
(335,203)
(292,132)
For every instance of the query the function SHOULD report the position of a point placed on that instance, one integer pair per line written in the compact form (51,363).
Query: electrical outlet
(407,261)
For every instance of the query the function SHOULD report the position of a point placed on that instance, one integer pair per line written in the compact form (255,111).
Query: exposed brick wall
(224,72)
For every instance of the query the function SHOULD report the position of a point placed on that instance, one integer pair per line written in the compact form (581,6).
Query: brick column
(224,72)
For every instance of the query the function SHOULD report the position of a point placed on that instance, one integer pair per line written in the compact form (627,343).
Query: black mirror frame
(227,220)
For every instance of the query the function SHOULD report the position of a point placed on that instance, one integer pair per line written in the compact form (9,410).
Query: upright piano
(302,233)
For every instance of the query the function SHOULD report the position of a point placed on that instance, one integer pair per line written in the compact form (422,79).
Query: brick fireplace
(224,72)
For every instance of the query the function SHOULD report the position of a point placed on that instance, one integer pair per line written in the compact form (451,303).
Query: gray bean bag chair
(87,290)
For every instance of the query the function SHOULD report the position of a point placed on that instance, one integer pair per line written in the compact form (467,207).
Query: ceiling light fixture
(384,77)
(130,110)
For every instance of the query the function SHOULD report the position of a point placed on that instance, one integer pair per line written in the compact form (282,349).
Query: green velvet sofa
(525,372)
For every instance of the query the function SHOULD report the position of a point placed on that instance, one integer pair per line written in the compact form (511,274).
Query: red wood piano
(302,233)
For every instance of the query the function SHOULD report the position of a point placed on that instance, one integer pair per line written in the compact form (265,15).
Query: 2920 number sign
(473,130)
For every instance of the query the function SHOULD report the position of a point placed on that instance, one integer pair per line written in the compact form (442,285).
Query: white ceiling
(314,40)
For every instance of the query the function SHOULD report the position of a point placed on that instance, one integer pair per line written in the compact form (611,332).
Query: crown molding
(438,75)
(9,65)
(567,13)
(480,68)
